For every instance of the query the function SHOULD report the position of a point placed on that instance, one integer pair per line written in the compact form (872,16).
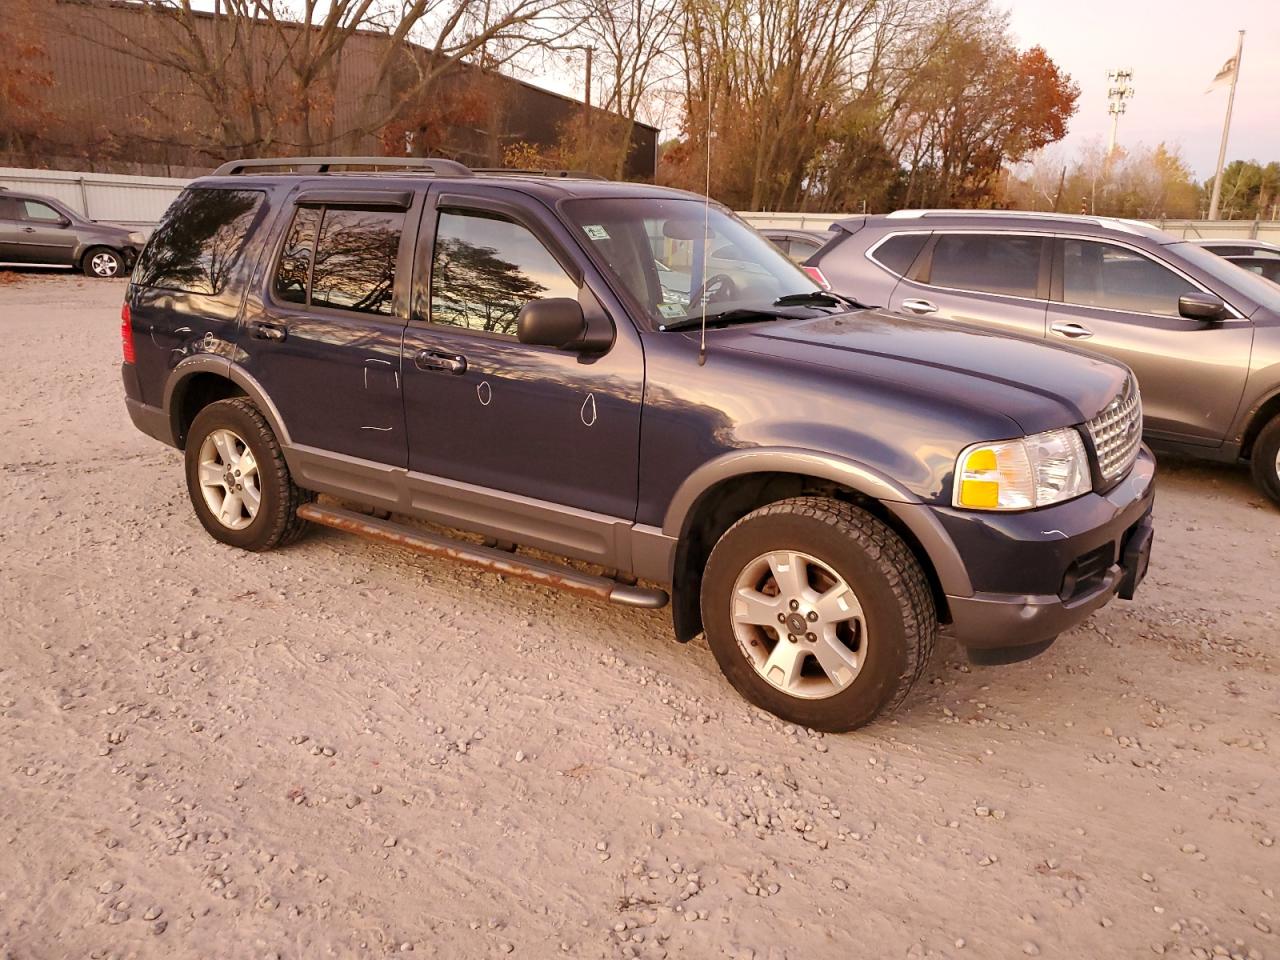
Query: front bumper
(1039,573)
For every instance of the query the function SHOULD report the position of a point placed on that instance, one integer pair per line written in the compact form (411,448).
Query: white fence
(143,200)
(100,196)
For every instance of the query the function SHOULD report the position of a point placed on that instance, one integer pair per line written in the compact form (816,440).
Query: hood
(1038,386)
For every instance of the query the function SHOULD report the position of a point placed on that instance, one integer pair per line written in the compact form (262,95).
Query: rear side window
(198,243)
(897,254)
(8,209)
(987,263)
(341,258)
(1105,275)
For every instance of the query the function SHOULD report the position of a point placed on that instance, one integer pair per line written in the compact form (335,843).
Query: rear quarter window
(200,240)
(897,254)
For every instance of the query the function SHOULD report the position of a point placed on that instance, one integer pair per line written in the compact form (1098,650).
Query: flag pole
(1226,128)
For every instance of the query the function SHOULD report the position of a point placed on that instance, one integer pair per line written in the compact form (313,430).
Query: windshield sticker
(595,231)
(671,310)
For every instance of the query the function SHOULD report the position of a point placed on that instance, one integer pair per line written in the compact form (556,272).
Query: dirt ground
(343,749)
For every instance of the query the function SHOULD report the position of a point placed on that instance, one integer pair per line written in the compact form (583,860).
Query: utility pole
(1226,129)
(586,93)
(1121,89)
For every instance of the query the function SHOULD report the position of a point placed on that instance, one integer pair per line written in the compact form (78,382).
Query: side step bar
(500,561)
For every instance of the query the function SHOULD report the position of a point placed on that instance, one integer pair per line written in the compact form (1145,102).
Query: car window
(35,210)
(485,268)
(988,263)
(675,255)
(199,240)
(802,249)
(1098,274)
(1231,278)
(293,272)
(900,252)
(355,259)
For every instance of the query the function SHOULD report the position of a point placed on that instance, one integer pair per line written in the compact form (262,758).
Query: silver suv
(1202,334)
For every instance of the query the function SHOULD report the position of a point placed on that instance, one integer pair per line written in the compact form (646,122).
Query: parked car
(796,243)
(38,231)
(1256,256)
(819,489)
(1202,335)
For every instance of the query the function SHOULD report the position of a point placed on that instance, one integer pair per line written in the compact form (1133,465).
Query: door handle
(919,306)
(28,229)
(269,331)
(433,360)
(1075,331)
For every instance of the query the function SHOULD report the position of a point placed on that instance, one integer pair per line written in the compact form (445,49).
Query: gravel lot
(343,749)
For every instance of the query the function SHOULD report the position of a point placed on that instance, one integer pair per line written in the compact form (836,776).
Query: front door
(1121,302)
(552,434)
(325,344)
(42,235)
(993,280)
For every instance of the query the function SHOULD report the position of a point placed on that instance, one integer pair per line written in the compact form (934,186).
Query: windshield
(1258,289)
(672,260)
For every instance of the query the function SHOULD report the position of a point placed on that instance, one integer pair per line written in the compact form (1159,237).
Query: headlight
(138,238)
(1022,474)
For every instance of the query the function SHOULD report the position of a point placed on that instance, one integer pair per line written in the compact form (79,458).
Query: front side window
(199,240)
(1117,278)
(42,212)
(341,258)
(485,268)
(675,255)
(987,263)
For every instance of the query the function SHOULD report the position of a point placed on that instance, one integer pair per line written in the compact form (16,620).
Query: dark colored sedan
(39,231)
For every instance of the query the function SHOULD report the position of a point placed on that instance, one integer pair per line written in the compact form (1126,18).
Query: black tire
(1265,459)
(102,263)
(900,617)
(276,522)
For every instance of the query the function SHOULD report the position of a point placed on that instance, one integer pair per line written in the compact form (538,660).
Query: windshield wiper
(818,297)
(739,315)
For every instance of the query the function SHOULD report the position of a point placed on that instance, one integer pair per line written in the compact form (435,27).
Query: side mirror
(1201,306)
(554,322)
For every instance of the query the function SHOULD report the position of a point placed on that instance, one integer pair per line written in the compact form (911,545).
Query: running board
(499,561)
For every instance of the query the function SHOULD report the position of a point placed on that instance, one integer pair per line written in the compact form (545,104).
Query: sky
(1174,48)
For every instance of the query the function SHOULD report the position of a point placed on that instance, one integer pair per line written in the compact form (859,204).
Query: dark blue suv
(631,379)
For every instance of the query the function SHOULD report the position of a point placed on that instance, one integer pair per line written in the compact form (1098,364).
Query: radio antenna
(706,226)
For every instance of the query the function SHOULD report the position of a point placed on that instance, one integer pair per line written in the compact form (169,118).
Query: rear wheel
(238,481)
(102,262)
(818,612)
(1266,459)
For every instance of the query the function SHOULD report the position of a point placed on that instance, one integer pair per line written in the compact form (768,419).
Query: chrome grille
(1117,432)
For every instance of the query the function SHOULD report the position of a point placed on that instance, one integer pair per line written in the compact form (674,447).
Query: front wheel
(818,612)
(1266,459)
(103,263)
(238,481)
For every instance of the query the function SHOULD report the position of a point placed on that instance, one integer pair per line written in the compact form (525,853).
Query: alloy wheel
(104,264)
(228,475)
(799,624)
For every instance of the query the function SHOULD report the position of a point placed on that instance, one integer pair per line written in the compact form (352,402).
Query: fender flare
(906,507)
(223,367)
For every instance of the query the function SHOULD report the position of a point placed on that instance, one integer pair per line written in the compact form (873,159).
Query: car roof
(1233,242)
(1006,220)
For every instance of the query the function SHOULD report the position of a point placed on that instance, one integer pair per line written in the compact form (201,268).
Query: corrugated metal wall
(100,196)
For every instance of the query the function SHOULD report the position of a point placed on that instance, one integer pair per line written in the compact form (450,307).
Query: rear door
(1121,301)
(986,278)
(325,342)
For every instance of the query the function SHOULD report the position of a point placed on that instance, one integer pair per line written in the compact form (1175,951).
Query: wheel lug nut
(811,637)
(782,618)
(812,616)
(791,637)
(795,604)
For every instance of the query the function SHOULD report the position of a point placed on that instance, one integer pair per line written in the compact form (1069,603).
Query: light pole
(1121,89)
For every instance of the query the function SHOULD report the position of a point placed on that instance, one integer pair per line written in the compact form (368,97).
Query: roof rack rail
(1116,223)
(530,172)
(436,165)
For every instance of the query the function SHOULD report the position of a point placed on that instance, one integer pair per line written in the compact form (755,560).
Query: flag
(1225,75)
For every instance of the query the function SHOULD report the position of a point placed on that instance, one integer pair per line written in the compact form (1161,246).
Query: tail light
(816,276)
(126,334)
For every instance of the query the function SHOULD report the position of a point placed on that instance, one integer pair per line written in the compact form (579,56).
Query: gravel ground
(344,749)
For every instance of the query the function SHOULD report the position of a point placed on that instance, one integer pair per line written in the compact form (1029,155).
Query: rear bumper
(152,421)
(1061,563)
